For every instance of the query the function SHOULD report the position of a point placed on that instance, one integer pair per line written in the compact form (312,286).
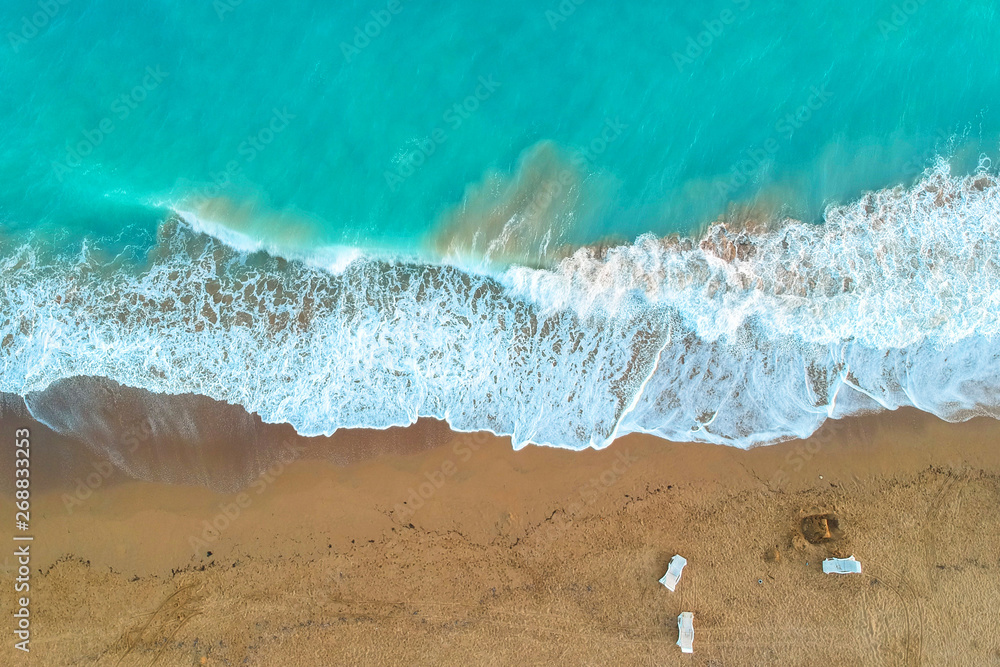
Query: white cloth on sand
(673,574)
(685,631)
(841,566)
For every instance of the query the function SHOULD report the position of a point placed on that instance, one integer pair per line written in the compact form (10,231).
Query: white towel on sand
(685,631)
(673,574)
(841,566)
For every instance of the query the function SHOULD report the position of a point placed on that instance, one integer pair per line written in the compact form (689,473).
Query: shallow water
(366,147)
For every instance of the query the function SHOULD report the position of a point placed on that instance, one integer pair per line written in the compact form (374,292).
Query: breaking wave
(742,337)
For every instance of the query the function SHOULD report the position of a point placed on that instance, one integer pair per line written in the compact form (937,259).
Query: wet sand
(429,547)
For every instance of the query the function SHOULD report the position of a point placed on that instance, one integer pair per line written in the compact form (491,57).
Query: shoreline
(538,554)
(817,319)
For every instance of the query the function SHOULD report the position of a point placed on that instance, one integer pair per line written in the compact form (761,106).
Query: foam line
(740,338)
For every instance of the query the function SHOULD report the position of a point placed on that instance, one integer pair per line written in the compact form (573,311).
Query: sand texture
(539,556)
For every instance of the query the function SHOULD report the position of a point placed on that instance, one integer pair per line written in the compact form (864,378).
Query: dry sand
(539,556)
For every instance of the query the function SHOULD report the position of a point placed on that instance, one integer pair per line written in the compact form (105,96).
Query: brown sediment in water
(452,548)
(518,218)
(525,217)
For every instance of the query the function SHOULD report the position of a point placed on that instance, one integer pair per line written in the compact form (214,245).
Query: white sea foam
(892,270)
(741,338)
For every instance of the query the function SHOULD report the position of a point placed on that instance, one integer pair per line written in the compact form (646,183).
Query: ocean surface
(724,221)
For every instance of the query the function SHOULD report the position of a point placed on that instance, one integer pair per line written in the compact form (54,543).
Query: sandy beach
(408,333)
(460,550)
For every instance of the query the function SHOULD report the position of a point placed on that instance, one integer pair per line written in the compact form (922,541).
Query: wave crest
(894,269)
(741,337)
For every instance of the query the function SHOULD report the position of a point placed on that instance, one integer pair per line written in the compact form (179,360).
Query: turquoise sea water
(687,117)
(459,154)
